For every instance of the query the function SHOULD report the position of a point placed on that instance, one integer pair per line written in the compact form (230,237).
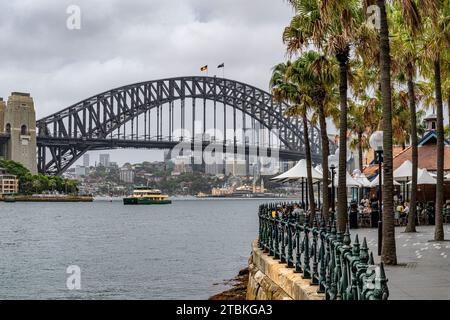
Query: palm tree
(437,38)
(289,84)
(329,25)
(388,253)
(411,14)
(319,78)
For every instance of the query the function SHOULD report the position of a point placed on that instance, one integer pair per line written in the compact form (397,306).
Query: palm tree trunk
(360,161)
(325,153)
(312,204)
(341,218)
(388,253)
(439,231)
(411,227)
(448,105)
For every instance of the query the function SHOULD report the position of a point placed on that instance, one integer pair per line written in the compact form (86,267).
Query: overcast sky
(122,42)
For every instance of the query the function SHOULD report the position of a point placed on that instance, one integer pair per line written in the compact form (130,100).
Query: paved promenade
(423,270)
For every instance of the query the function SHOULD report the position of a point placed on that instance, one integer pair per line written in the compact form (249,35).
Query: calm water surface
(180,251)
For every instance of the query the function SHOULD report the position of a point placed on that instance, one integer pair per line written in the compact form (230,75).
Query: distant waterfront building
(127,174)
(104,160)
(81,171)
(86,161)
(9,184)
(182,165)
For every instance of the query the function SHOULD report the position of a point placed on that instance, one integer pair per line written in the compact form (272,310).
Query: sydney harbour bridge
(160,114)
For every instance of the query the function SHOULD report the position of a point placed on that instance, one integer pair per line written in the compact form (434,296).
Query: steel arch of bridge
(87,124)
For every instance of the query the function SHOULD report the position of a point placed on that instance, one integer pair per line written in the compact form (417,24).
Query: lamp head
(376,141)
(333,160)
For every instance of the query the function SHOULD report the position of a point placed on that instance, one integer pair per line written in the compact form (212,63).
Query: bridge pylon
(18,123)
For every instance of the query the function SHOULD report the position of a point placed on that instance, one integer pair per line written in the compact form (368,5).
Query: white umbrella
(424,177)
(362,179)
(374,183)
(404,172)
(447,177)
(350,182)
(297,172)
(319,168)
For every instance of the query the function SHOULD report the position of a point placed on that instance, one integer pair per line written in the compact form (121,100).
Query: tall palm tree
(411,14)
(406,51)
(437,39)
(388,253)
(319,78)
(288,85)
(329,25)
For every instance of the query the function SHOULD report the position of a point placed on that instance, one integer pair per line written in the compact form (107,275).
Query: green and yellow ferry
(145,195)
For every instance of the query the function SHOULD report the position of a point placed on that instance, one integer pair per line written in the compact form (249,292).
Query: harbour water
(185,250)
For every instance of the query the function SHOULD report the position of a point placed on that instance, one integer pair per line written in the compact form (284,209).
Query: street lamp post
(376,143)
(380,201)
(332,189)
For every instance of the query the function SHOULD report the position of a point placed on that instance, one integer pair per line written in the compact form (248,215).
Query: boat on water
(145,195)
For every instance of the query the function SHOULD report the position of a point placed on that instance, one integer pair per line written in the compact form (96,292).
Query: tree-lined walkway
(423,270)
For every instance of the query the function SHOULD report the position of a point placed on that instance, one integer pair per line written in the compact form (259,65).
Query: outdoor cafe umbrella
(404,172)
(362,179)
(350,182)
(298,172)
(374,183)
(424,177)
(319,168)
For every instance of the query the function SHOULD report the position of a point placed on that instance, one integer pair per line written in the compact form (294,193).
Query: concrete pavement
(423,270)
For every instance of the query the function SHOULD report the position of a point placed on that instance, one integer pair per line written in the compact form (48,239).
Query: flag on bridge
(221,65)
(204,68)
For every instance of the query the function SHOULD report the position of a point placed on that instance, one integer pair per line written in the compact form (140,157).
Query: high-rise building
(86,162)
(104,160)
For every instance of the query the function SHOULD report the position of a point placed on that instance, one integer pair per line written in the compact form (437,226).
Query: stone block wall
(271,280)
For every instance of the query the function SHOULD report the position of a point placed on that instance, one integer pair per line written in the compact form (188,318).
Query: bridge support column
(19,121)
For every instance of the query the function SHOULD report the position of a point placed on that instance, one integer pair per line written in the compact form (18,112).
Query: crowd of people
(367,212)
(425,213)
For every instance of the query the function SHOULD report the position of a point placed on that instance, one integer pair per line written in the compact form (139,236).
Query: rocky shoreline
(239,290)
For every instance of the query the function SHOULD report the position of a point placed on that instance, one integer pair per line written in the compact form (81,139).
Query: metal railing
(341,270)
